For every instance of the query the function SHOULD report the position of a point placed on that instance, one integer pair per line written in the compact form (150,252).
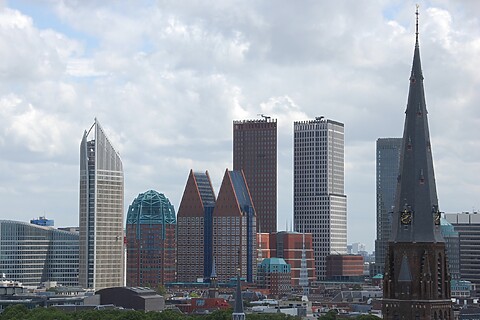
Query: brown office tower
(416,279)
(255,152)
(194,229)
(234,229)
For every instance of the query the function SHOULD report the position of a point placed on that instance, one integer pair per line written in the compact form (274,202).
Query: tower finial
(416,27)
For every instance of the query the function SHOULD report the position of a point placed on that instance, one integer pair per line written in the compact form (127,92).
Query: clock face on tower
(406,217)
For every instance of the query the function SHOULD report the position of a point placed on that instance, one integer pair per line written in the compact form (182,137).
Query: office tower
(151,245)
(296,248)
(388,160)
(33,254)
(195,229)
(234,229)
(468,227)
(452,245)
(416,283)
(319,201)
(101,212)
(255,152)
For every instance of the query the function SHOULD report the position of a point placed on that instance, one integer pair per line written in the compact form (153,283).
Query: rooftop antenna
(264,116)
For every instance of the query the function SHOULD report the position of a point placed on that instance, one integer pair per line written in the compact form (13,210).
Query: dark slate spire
(238,313)
(416,210)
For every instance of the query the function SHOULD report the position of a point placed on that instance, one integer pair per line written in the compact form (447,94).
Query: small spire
(416,28)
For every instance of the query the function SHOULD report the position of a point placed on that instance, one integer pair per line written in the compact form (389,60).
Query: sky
(167,78)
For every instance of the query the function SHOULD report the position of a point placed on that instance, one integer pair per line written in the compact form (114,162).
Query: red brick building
(255,152)
(289,246)
(274,274)
(343,267)
(150,237)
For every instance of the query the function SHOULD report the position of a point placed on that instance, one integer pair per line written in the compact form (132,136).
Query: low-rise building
(274,274)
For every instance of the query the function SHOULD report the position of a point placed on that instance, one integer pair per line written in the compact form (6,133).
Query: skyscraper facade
(101,211)
(319,201)
(195,228)
(234,229)
(468,227)
(33,254)
(416,283)
(151,245)
(388,159)
(255,152)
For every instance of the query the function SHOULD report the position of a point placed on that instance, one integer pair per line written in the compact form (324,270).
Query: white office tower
(101,212)
(319,202)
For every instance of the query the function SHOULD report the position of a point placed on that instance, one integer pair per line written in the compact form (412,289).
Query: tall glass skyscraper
(101,212)
(388,159)
(319,200)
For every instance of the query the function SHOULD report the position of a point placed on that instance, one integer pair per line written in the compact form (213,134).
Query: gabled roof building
(234,229)
(195,228)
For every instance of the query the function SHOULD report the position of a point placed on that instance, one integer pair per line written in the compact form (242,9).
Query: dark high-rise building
(452,245)
(151,245)
(388,158)
(319,200)
(234,229)
(101,212)
(468,227)
(255,152)
(195,229)
(416,280)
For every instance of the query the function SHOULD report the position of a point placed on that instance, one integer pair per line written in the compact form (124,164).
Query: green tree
(41,313)
(15,312)
(161,290)
(331,315)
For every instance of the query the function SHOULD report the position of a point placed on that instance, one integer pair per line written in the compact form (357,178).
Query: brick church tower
(416,279)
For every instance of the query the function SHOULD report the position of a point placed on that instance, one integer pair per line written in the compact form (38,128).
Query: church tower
(416,279)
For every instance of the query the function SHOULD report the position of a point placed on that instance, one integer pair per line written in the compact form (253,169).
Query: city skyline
(168,81)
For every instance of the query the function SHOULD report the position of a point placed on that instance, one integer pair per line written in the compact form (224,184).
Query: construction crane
(264,116)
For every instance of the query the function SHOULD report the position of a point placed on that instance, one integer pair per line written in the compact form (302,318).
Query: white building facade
(101,212)
(320,203)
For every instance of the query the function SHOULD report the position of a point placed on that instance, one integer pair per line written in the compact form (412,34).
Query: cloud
(166,79)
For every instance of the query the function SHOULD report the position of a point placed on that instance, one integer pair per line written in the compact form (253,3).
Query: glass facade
(101,212)
(33,254)
(388,159)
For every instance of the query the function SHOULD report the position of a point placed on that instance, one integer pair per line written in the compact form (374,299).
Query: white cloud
(167,79)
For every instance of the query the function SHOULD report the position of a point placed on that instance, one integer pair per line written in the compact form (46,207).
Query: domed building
(151,247)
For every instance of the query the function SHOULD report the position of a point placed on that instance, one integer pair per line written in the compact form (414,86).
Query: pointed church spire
(416,27)
(416,202)
(238,313)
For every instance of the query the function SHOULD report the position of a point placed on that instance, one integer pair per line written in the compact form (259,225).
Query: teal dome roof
(151,207)
(447,228)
